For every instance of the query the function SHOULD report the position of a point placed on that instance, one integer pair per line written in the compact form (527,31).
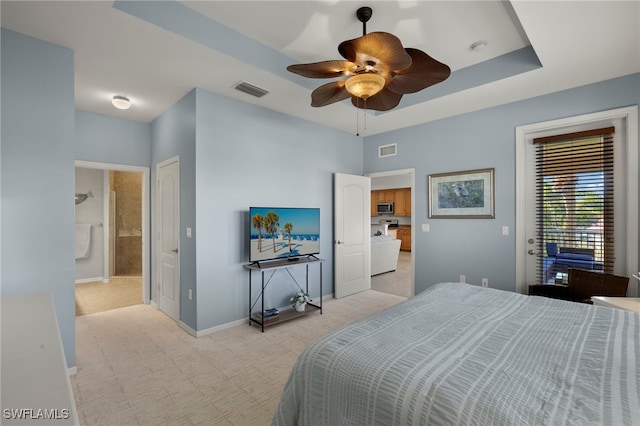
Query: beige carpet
(99,297)
(136,366)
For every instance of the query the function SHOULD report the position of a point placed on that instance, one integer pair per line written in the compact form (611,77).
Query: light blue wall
(475,247)
(246,156)
(173,134)
(38,175)
(249,156)
(112,140)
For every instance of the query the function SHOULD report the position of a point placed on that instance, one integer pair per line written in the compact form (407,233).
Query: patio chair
(582,285)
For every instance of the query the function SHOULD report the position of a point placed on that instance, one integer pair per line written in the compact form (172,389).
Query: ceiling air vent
(250,89)
(387,150)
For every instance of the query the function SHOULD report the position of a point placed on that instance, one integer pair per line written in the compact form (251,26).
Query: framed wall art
(462,195)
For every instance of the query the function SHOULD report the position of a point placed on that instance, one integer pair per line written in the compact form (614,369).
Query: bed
(464,354)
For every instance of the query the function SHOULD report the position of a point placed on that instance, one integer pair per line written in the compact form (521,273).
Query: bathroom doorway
(112,250)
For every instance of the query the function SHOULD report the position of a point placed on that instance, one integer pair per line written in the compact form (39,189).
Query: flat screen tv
(283,233)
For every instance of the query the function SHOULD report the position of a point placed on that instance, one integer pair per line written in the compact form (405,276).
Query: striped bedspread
(463,354)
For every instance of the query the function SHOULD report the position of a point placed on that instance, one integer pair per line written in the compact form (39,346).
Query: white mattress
(463,354)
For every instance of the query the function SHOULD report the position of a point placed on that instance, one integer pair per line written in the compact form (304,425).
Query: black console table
(271,268)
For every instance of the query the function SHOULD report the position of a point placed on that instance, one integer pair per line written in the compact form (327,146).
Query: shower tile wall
(127,187)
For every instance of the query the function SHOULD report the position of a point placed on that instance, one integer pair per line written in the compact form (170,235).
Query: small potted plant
(299,300)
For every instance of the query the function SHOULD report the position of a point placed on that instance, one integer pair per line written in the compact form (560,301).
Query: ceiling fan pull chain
(364,112)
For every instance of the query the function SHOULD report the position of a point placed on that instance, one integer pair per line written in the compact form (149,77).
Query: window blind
(574,202)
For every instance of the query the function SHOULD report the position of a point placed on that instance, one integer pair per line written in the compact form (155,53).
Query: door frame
(628,116)
(411,172)
(146,247)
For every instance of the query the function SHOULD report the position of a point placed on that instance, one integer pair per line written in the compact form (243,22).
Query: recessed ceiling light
(121,102)
(479,45)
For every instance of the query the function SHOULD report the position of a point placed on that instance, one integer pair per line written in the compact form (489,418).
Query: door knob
(175,250)
(339,242)
(531,252)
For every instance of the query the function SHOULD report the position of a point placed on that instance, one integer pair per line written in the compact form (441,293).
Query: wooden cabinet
(380,196)
(404,235)
(401,198)
(402,203)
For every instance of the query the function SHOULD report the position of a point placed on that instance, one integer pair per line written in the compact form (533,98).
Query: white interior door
(169,237)
(352,242)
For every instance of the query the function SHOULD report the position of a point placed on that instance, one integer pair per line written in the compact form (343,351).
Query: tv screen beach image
(279,233)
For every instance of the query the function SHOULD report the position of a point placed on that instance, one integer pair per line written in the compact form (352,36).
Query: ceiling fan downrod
(364,14)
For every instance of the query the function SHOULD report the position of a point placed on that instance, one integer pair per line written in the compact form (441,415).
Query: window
(574,203)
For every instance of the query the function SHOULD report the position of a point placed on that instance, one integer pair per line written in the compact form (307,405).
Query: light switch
(188,232)
(505,230)
(425,227)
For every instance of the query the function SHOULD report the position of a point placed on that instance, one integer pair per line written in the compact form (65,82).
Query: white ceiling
(156,52)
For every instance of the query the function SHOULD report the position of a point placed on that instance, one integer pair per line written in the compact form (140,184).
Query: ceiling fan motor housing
(364,14)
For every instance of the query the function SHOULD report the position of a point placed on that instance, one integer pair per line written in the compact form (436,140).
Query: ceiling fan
(378,68)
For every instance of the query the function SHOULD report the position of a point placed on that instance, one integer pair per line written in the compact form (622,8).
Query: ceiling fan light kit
(364,85)
(378,68)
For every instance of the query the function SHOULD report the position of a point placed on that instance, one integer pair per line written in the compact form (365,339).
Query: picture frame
(468,194)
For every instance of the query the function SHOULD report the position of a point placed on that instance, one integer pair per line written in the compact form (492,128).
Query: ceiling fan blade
(381,101)
(329,93)
(423,72)
(324,69)
(380,50)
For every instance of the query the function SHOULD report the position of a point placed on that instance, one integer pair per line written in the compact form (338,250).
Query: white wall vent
(250,89)
(387,150)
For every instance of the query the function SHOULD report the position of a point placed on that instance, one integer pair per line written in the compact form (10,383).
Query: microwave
(385,208)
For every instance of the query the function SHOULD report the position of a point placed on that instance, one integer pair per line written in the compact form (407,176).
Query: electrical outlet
(463,279)
(485,282)
(190,295)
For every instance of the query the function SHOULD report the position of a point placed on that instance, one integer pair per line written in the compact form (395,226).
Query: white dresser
(35,384)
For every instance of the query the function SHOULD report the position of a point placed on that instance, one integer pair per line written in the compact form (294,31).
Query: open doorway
(397,187)
(111,216)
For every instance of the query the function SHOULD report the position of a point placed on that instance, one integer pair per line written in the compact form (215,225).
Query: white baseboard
(221,327)
(91,280)
(72,371)
(188,329)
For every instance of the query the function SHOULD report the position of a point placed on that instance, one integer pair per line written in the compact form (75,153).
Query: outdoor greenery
(559,214)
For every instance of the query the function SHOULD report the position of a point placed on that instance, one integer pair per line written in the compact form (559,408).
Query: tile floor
(136,366)
(397,282)
(97,296)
